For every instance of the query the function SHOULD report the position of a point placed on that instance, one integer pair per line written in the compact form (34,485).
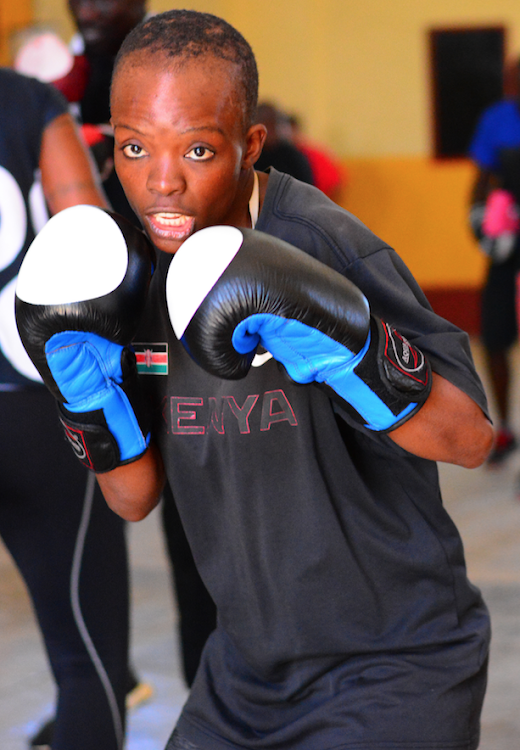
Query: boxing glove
(495,224)
(80,294)
(229,290)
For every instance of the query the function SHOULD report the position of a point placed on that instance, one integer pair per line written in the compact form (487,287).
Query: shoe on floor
(137,693)
(505,444)
(140,693)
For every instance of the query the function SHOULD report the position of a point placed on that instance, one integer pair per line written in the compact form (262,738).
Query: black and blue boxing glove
(80,295)
(231,290)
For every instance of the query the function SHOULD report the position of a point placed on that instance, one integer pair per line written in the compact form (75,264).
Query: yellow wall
(14,15)
(419,206)
(357,72)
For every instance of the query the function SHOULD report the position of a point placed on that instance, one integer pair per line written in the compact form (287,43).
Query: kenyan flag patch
(152,359)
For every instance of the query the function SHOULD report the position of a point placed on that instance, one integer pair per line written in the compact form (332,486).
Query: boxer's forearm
(450,427)
(133,490)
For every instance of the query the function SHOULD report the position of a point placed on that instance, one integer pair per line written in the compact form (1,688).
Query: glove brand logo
(406,351)
(77,443)
(402,354)
(151,359)
(192,415)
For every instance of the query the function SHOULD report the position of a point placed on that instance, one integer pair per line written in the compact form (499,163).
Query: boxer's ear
(255,139)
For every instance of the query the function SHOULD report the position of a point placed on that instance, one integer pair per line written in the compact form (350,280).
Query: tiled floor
(483,504)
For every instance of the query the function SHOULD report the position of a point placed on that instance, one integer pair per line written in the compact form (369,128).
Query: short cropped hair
(186,34)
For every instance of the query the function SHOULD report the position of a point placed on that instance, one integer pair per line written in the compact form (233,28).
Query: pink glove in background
(501,215)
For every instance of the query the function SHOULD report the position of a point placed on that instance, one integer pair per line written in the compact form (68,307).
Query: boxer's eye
(133,151)
(200,153)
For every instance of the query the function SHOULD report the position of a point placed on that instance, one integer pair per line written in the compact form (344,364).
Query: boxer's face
(182,152)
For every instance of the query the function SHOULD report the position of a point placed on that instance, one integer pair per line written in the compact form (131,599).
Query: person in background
(84,78)
(495,150)
(101,28)
(279,150)
(42,54)
(82,72)
(329,175)
(69,548)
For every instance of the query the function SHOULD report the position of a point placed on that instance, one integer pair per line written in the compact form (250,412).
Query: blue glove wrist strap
(309,356)
(88,370)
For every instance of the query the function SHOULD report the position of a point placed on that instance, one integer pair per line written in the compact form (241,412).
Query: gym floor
(482,502)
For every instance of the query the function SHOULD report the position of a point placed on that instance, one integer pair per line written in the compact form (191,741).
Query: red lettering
(242,414)
(184,414)
(216,419)
(180,414)
(284,413)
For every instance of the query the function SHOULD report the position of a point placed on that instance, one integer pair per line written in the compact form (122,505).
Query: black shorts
(499,324)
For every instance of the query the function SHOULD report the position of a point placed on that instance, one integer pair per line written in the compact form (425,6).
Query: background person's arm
(69,176)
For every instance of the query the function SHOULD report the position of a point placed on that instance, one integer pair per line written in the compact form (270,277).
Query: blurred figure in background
(83,71)
(101,28)
(279,151)
(328,173)
(69,548)
(43,55)
(85,80)
(495,149)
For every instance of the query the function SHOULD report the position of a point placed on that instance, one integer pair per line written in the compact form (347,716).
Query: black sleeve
(304,217)
(29,107)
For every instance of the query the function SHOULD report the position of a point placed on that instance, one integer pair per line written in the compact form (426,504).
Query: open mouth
(171,224)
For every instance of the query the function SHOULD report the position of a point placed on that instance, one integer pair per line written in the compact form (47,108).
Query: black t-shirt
(28,106)
(346,619)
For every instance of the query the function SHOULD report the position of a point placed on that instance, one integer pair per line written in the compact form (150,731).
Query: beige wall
(356,70)
(13,17)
